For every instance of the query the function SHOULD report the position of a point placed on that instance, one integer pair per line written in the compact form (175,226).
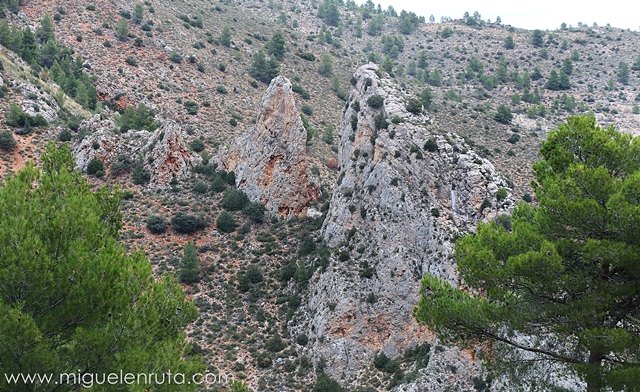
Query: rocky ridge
(270,160)
(163,152)
(403,196)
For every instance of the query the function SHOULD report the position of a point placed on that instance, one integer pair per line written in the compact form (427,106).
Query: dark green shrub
(380,361)
(199,187)
(275,344)
(7,142)
(431,145)
(141,176)
(138,118)
(229,177)
(196,145)
(414,106)
(192,107)
(65,136)
(156,224)
(375,101)
(234,200)
(175,57)
(308,110)
(380,122)
(218,184)
(504,220)
(302,340)
(17,118)
(121,165)
(186,224)
(254,211)
(264,360)
(288,271)
(502,194)
(503,115)
(325,383)
(226,222)
(250,277)
(95,166)
(307,246)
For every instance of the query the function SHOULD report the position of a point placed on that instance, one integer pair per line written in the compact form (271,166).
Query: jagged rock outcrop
(270,161)
(163,152)
(404,195)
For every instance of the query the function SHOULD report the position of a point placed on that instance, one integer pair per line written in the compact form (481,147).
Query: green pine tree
(122,30)
(138,14)
(45,31)
(28,47)
(565,273)
(277,46)
(225,36)
(189,265)
(72,299)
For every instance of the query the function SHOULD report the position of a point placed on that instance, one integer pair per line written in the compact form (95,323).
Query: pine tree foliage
(72,299)
(567,272)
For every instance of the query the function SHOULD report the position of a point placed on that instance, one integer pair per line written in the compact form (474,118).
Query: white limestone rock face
(270,161)
(397,209)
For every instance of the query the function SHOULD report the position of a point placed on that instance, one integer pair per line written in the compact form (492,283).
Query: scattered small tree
(264,68)
(509,43)
(122,30)
(225,36)
(276,47)
(138,13)
(45,32)
(537,38)
(326,65)
(189,265)
(328,11)
(623,73)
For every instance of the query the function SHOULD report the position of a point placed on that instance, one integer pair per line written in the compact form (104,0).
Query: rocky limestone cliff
(163,152)
(270,160)
(400,202)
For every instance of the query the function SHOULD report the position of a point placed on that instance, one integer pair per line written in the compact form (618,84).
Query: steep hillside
(316,201)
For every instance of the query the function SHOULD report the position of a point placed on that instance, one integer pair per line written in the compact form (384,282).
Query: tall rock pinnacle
(270,160)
